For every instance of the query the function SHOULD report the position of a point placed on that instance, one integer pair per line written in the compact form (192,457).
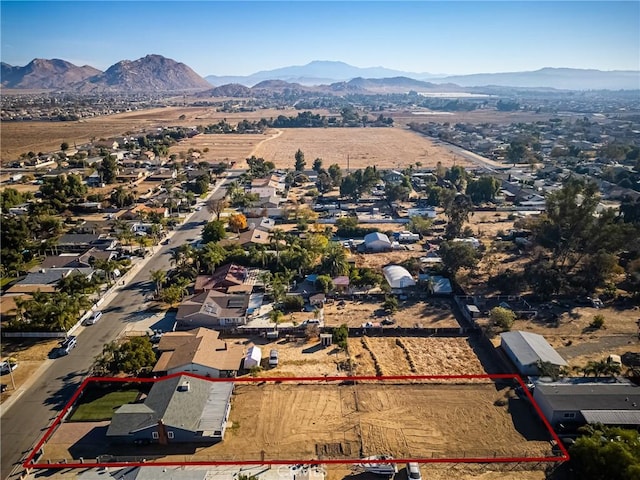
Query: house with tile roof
(213,309)
(198,351)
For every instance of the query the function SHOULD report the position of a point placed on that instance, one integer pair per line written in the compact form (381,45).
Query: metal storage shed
(253,358)
(526,349)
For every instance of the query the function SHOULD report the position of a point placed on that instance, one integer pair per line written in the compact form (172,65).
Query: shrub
(340,335)
(390,304)
(503,317)
(293,303)
(597,322)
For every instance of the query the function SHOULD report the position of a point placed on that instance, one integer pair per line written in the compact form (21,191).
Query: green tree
(607,453)
(276,317)
(456,255)
(335,173)
(133,356)
(334,260)
(159,277)
(420,225)
(390,304)
(458,214)
(502,317)
(516,151)
(213,231)
(578,248)
(122,197)
(293,303)
(340,336)
(108,169)
(324,283)
(64,146)
(317,165)
(484,189)
(349,187)
(300,162)
(212,255)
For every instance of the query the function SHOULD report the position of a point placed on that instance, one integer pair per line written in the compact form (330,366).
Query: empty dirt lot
(414,356)
(346,421)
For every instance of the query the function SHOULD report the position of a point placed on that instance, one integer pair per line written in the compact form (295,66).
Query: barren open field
(434,314)
(414,356)
(21,137)
(383,147)
(229,147)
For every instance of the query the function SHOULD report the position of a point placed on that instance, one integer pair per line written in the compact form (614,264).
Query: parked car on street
(93,318)
(65,346)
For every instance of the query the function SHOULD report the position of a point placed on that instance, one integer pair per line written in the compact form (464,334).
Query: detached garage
(526,349)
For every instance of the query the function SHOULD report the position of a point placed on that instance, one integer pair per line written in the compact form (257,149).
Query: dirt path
(275,135)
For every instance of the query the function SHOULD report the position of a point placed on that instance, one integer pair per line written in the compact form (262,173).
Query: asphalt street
(26,420)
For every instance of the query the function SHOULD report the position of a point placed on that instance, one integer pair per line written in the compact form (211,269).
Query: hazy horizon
(242,37)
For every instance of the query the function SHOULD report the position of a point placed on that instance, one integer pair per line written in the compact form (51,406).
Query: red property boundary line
(564,455)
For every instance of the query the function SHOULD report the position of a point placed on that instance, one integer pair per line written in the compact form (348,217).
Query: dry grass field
(410,314)
(21,137)
(383,147)
(429,356)
(229,147)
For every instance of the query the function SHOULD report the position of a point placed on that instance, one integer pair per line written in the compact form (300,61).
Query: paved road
(26,420)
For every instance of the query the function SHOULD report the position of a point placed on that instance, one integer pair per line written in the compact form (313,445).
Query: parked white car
(6,367)
(273,358)
(413,471)
(94,318)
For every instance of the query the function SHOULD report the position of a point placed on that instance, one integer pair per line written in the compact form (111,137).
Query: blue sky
(242,37)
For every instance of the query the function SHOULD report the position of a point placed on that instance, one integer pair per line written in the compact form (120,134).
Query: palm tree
(276,236)
(159,277)
(181,255)
(233,189)
(108,267)
(212,255)
(334,260)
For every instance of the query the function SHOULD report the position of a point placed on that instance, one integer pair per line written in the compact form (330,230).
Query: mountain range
(158,73)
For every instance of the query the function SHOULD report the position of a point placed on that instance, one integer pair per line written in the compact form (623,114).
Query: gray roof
(200,408)
(375,237)
(78,239)
(48,276)
(612,417)
(531,347)
(591,396)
